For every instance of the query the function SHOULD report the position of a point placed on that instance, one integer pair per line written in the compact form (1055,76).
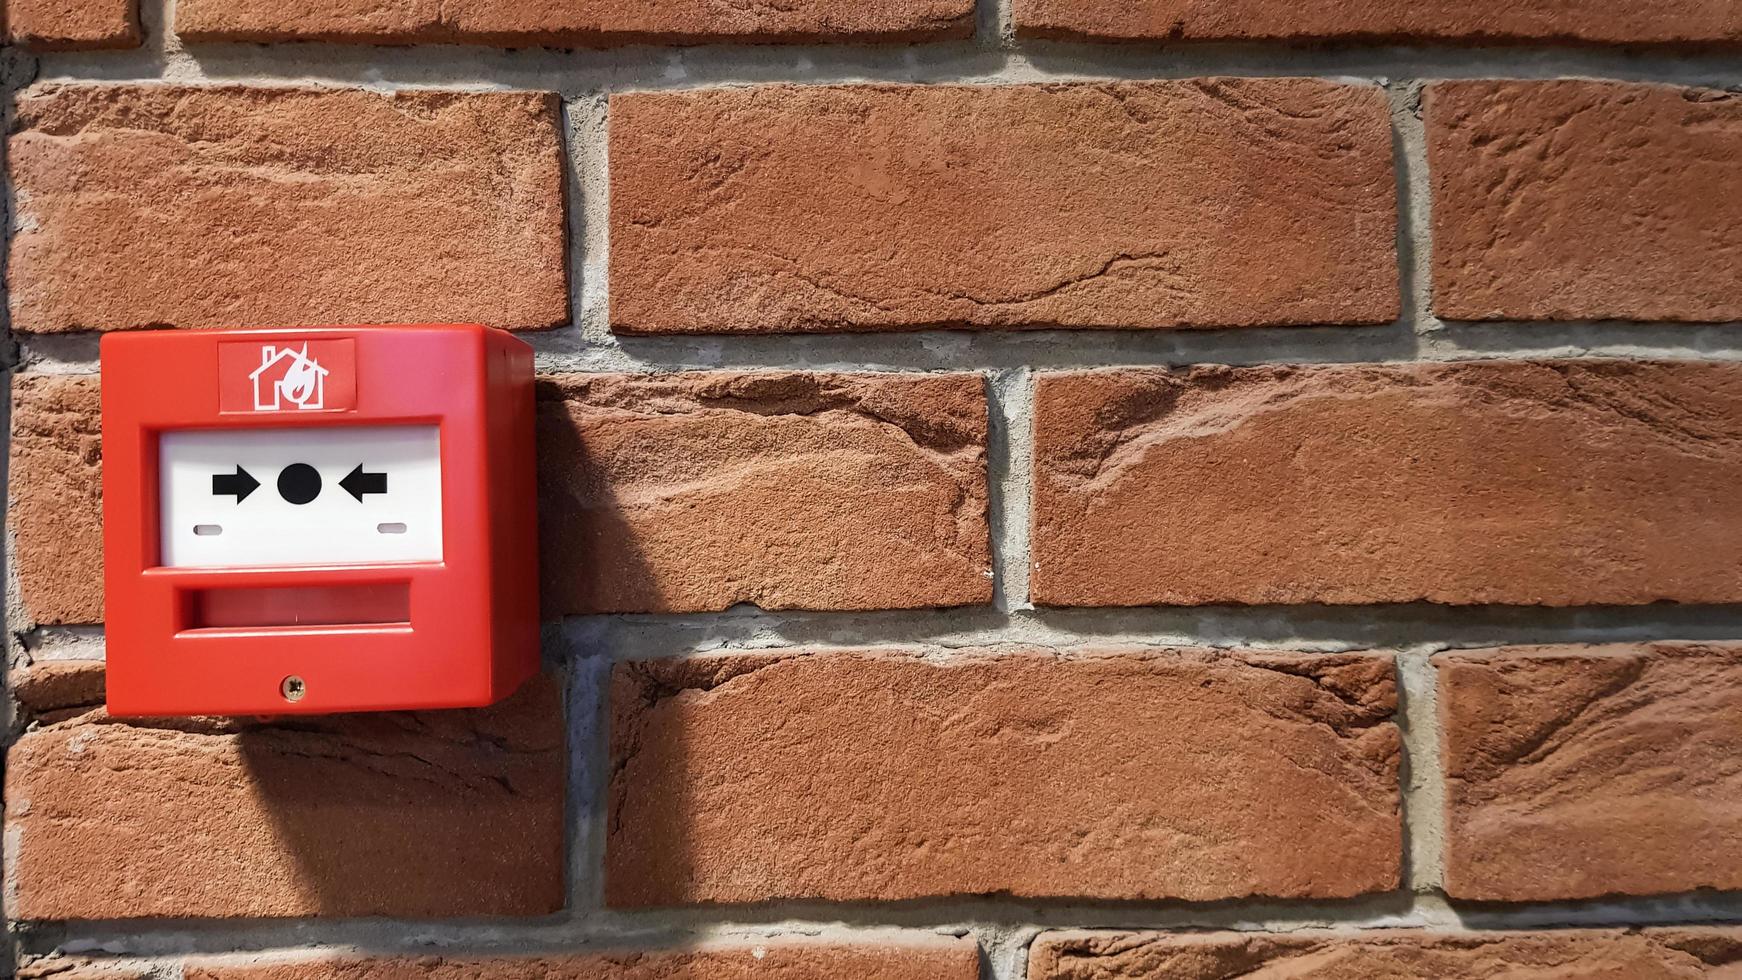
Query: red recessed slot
(382,604)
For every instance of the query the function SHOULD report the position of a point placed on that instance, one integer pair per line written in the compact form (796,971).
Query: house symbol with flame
(286,377)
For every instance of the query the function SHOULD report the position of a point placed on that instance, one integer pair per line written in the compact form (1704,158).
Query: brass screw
(293,688)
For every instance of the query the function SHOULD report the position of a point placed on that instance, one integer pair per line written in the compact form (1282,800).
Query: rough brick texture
(1530,483)
(1117,774)
(918,958)
(56,513)
(203,207)
(52,687)
(674,493)
(848,491)
(1471,21)
(63,25)
(74,968)
(1575,772)
(560,23)
(451,813)
(1655,954)
(1148,204)
(1585,200)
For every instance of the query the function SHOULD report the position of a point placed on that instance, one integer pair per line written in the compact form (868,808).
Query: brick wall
(1052,489)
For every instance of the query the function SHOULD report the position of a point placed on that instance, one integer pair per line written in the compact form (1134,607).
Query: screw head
(293,688)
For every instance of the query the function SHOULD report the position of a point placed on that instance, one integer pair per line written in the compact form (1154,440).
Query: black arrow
(357,483)
(239,484)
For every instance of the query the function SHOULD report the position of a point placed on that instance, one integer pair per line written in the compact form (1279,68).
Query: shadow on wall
(590,562)
(468,813)
(439,814)
(578,506)
(462,814)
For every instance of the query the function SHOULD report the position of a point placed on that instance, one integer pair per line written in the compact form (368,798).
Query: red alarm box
(321,520)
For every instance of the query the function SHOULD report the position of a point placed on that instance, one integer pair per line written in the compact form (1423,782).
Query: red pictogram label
(287,377)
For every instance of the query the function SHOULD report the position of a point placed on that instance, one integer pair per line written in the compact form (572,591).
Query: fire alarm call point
(323,520)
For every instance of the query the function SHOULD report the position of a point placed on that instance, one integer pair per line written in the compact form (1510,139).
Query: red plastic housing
(458,632)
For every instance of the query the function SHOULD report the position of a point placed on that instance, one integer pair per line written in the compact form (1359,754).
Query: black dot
(299,483)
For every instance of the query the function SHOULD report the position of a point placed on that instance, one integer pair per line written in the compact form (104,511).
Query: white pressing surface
(226,521)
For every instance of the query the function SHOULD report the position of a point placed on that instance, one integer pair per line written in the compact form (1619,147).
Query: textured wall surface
(1208,202)
(1041,489)
(199,207)
(1446,21)
(558,22)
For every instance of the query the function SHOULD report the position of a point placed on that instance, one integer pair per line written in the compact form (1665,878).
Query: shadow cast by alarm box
(436,814)
(578,503)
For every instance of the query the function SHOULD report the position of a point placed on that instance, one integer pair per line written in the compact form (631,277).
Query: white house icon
(286,375)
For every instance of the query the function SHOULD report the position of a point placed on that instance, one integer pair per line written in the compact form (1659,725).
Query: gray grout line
(1423,787)
(45,643)
(945,351)
(572,116)
(593,349)
(999,29)
(57,353)
(155,19)
(22,640)
(1323,629)
(589,781)
(1414,218)
(1010,478)
(994,922)
(590,161)
(1328,629)
(1007,61)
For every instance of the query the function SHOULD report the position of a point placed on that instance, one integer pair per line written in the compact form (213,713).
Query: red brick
(63,25)
(451,813)
(853,492)
(56,513)
(1585,200)
(1577,772)
(1206,202)
(918,958)
(1653,954)
(142,205)
(1408,21)
(1551,483)
(58,685)
(1109,774)
(693,492)
(563,23)
(77,968)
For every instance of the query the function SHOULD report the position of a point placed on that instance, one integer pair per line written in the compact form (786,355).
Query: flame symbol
(298,385)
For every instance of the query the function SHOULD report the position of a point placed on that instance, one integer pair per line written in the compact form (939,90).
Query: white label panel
(298,496)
